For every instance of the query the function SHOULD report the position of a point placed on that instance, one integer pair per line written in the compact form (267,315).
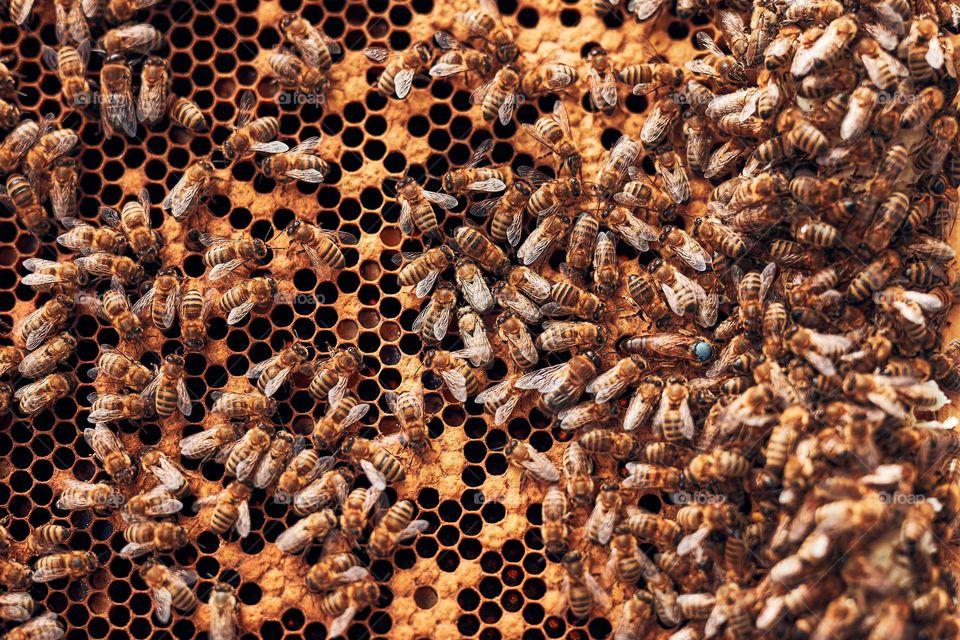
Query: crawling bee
(291,71)
(548,76)
(15,575)
(170,476)
(312,529)
(112,407)
(314,47)
(70,63)
(116,366)
(322,247)
(471,178)
(230,509)
(457,59)
(47,319)
(154,91)
(553,132)
(118,108)
(77,496)
(241,299)
(184,199)
(332,374)
(396,527)
(45,359)
(155,503)
(486,23)
(333,570)
(162,299)
(379,465)
(242,405)
(531,462)
(400,68)
(416,207)
(581,590)
(66,564)
(22,198)
(169,587)
(251,134)
(208,442)
(168,392)
(44,393)
(224,613)
(273,372)
(46,626)
(499,97)
(111,453)
(621,156)
(434,319)
(147,536)
(17,143)
(408,408)
(136,39)
(133,220)
(339,417)
(456,373)
(298,163)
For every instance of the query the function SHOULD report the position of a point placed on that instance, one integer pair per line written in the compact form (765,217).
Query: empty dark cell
(418,126)
(268,38)
(41,494)
(426,547)
(599,628)
(439,140)
(534,563)
(119,616)
(528,17)
(181,37)
(569,17)
(679,30)
(512,550)
(468,599)
(225,39)
(496,464)
(448,536)
(474,452)
(404,558)
(374,150)
(473,476)
(183,629)
(354,112)
(271,629)
(636,104)
(471,524)
(493,512)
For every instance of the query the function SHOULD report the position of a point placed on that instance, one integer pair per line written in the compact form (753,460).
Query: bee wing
(34,364)
(477,293)
(478,350)
(46,574)
(637,412)
(655,126)
(443,322)
(199,444)
(481,152)
(406,218)
(721,160)
(306,175)
(510,101)
(934,56)
(340,624)
(151,101)
(377,54)
(162,600)
(540,465)
(170,308)
(456,383)
(534,133)
(446,69)
(820,362)
(184,403)
(644,9)
(19,12)
(102,440)
(637,233)
(675,181)
(504,411)
(243,519)
(257,370)
(599,595)
(543,380)
(181,197)
(494,393)
(767,276)
(377,480)
(403,81)
(136,549)
(421,317)
(240,312)
(524,345)
(534,246)
(355,414)
(446,201)
(270,147)
(539,285)
(692,253)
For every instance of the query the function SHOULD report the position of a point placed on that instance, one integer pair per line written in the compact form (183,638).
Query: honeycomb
(481,570)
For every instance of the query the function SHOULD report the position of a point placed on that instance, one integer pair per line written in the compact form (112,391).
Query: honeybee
(635,232)
(302,534)
(355,510)
(344,603)
(114,307)
(162,299)
(434,319)
(67,564)
(64,181)
(155,93)
(555,529)
(50,317)
(580,589)
(602,79)
(333,373)
(553,132)
(231,509)
(274,460)
(477,246)
(322,247)
(379,465)
(192,186)
(548,76)
(819,349)
(498,98)
(241,299)
(273,372)
(637,616)
(560,336)
(487,24)
(87,238)
(136,39)
(244,457)
(333,570)
(472,285)
(46,626)
(118,109)
(644,290)
(157,502)
(500,399)
(471,178)
(242,405)
(569,298)
(224,613)
(476,344)
(169,587)
(457,59)
(314,47)
(205,443)
(291,71)
(134,221)
(70,63)
(408,408)
(400,68)
(720,237)
(506,223)
(106,265)
(168,391)
(617,161)
(298,163)
(111,453)
(14,575)
(146,536)
(396,527)
(16,144)
(21,197)
(332,485)
(339,417)
(531,462)
(416,208)
(577,474)
(78,495)
(43,360)
(44,393)
(924,51)
(121,368)
(918,113)
(16,607)
(562,384)
(251,134)
(619,446)
(111,407)
(586,415)
(550,230)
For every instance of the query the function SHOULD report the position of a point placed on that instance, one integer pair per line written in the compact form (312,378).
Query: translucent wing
(377,54)
(403,81)
(456,383)
(243,519)
(240,312)
(692,253)
(445,200)
(506,108)
(181,197)
(543,380)
(162,600)
(305,175)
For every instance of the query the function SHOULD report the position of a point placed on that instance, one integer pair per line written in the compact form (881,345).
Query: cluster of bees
(757,360)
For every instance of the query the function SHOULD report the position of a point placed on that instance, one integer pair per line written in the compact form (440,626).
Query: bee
(676,242)
(46,626)
(333,485)
(515,302)
(339,417)
(16,607)
(275,460)
(652,477)
(241,299)
(155,93)
(136,39)
(619,446)
(918,113)
(380,466)
(314,47)
(472,285)
(641,406)
(720,237)
(14,575)
(122,269)
(637,616)
(114,307)
(273,372)
(577,474)
(157,502)
(68,564)
(333,374)
(344,603)
(147,536)
(134,221)
(506,223)
(400,68)
(171,476)
(111,407)
(477,347)
(396,527)
(434,319)
(49,318)
(169,587)
(16,144)
(49,146)
(64,182)
(528,282)
(70,63)
(243,459)
(477,246)
(249,134)
(500,399)
(553,132)
(408,408)
(674,419)
(205,443)
(664,114)
(77,496)
(168,391)
(322,247)
(751,292)
(486,23)
(224,613)
(586,415)
(635,232)
(612,382)
(44,393)
(42,361)
(548,76)
(333,570)
(602,79)
(471,178)
(925,53)
(110,452)
(569,298)
(560,336)
(563,384)
(193,185)
(231,509)
(498,98)
(550,230)
(888,219)
(416,208)
(617,161)
(555,530)
(423,269)
(298,163)
(314,528)
(932,157)
(23,200)
(457,59)
(644,290)
(242,405)
(582,242)
(531,462)
(873,277)
(291,71)
(118,109)
(456,373)
(356,509)
(162,299)
(581,590)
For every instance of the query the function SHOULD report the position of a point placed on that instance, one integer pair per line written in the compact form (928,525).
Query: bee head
(575,187)
(259,249)
(508,52)
(594,358)
(429,357)
(665,232)
(267,167)
(291,229)
(286,21)
(511,446)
